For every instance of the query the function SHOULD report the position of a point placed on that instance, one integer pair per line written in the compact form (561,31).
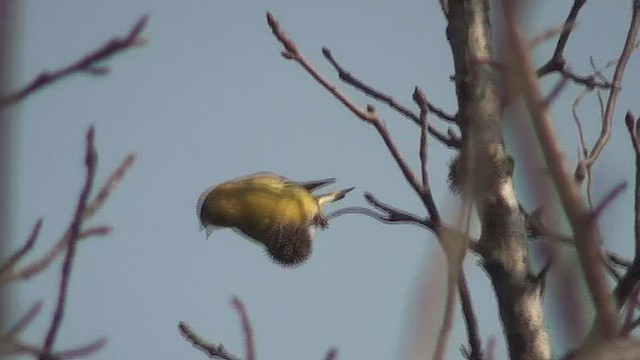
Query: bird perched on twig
(279,213)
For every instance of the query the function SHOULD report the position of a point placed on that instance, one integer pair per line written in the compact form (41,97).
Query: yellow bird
(279,213)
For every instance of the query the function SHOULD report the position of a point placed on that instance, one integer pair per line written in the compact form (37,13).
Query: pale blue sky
(209,99)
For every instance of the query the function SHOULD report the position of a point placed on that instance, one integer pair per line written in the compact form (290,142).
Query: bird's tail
(324,199)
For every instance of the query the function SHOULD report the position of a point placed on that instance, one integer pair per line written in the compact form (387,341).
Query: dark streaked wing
(316,184)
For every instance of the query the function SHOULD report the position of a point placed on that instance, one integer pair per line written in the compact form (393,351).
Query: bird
(271,210)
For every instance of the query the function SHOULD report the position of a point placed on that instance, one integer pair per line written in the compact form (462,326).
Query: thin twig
(378,95)
(634,133)
(21,252)
(608,199)
(212,350)
(630,280)
(88,64)
(567,28)
(470,319)
(605,132)
(103,194)
(542,38)
(420,99)
(246,328)
(74,232)
(91,209)
(26,319)
(367,115)
(43,262)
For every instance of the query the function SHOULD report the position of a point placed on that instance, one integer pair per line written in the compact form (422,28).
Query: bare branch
(586,234)
(630,280)
(91,209)
(611,195)
(567,28)
(470,319)
(74,235)
(427,197)
(605,132)
(246,327)
(367,115)
(25,320)
(88,64)
(109,185)
(20,253)
(212,350)
(378,95)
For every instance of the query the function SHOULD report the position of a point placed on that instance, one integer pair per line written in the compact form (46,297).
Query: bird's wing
(261,174)
(316,184)
(309,185)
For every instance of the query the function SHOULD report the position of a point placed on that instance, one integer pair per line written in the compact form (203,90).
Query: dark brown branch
(88,64)
(378,95)
(605,132)
(558,53)
(634,133)
(558,63)
(630,280)
(74,235)
(420,99)
(210,349)
(571,19)
(367,115)
(470,319)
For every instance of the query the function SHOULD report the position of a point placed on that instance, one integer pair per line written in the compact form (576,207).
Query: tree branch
(88,64)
